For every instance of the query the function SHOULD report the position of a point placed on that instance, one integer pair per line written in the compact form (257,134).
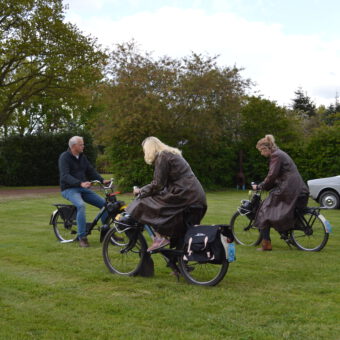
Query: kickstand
(175,271)
(287,239)
(177,274)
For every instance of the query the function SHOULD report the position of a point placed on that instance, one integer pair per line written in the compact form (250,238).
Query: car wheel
(329,199)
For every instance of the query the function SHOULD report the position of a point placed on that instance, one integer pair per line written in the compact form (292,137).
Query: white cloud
(278,63)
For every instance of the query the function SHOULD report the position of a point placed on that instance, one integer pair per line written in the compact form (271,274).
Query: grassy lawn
(59,291)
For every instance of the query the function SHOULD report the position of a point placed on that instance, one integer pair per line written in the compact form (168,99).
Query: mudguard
(53,216)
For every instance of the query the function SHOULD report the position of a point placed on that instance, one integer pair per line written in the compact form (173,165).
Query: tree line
(55,80)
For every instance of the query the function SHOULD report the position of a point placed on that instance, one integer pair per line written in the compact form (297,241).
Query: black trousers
(266,233)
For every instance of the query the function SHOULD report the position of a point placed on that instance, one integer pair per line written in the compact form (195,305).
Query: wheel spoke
(312,237)
(65,232)
(244,231)
(121,257)
(204,274)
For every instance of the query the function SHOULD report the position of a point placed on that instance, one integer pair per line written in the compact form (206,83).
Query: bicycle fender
(326,223)
(53,216)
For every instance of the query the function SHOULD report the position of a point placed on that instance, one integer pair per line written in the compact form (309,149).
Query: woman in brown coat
(287,190)
(161,203)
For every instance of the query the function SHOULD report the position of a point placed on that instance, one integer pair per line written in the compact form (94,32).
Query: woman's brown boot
(266,246)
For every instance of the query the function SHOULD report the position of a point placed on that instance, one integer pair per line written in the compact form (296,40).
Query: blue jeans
(78,197)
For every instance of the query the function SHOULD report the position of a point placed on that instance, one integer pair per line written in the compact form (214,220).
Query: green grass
(58,291)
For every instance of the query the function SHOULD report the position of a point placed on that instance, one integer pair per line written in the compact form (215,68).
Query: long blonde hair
(267,142)
(152,146)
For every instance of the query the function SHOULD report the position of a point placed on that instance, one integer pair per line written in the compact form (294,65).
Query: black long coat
(162,202)
(286,188)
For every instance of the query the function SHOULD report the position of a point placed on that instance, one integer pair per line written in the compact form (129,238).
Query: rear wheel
(311,234)
(124,252)
(203,274)
(244,231)
(64,230)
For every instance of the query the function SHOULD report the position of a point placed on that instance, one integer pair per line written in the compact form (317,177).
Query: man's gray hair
(74,140)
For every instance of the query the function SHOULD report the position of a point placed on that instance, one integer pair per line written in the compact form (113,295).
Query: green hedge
(321,158)
(317,158)
(215,166)
(33,159)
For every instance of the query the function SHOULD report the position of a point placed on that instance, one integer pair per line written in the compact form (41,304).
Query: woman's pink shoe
(158,243)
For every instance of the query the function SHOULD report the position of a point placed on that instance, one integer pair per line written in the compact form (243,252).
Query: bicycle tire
(244,231)
(124,256)
(313,236)
(203,274)
(65,231)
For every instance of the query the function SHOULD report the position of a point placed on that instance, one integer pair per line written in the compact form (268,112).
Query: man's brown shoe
(83,242)
(266,246)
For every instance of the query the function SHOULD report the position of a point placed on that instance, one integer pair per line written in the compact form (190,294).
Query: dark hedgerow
(33,159)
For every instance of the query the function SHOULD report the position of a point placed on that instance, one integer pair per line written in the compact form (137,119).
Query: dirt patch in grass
(6,194)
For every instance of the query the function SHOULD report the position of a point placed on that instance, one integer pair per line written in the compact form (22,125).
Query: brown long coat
(286,185)
(162,202)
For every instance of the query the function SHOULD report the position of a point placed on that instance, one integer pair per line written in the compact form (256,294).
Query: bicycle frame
(301,234)
(111,207)
(170,255)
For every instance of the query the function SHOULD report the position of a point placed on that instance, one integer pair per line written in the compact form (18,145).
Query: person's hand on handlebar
(106,181)
(254,186)
(85,184)
(136,191)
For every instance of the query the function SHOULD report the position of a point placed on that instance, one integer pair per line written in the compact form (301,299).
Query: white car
(326,191)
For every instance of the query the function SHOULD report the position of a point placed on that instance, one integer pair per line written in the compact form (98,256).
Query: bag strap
(206,242)
(189,246)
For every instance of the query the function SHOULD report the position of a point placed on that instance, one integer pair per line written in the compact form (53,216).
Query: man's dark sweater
(73,170)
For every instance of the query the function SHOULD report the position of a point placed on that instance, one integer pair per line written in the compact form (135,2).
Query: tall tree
(43,60)
(332,113)
(260,117)
(190,103)
(303,104)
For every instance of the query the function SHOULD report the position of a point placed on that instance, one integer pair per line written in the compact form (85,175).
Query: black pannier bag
(67,211)
(203,244)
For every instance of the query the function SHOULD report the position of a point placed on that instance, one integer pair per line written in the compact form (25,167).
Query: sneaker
(83,242)
(158,243)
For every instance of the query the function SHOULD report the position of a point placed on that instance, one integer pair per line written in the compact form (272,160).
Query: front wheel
(203,274)
(311,235)
(124,254)
(64,230)
(244,231)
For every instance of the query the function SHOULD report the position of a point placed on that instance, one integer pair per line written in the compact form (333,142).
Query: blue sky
(281,44)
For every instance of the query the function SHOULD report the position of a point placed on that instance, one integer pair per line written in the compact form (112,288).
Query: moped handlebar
(257,189)
(108,187)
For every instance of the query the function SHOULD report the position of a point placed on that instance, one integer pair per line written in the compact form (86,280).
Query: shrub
(33,159)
